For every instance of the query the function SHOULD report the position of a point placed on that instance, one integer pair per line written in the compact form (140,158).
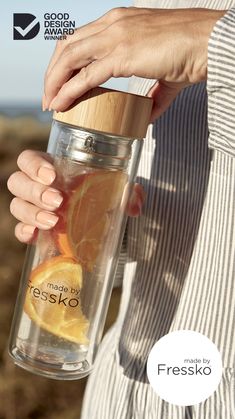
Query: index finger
(80,33)
(37,165)
(91,76)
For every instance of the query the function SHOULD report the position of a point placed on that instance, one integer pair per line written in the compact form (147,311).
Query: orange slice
(53,299)
(88,216)
(88,248)
(63,244)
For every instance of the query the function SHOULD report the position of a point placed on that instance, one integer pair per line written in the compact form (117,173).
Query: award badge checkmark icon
(25,26)
(24,32)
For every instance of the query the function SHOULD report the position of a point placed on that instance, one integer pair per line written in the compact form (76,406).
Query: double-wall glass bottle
(69,271)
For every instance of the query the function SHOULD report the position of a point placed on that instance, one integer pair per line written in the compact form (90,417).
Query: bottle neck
(92,148)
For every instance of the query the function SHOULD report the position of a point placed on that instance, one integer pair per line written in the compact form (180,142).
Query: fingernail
(46,175)
(46,219)
(52,197)
(28,230)
(44,103)
(54,104)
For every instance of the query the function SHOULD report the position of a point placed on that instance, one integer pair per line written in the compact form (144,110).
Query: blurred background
(24,126)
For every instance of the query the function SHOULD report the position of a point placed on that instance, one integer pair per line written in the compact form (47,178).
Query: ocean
(18,110)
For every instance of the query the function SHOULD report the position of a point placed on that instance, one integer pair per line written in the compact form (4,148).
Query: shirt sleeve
(221,85)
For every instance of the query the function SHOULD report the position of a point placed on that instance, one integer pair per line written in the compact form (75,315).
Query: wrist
(201,34)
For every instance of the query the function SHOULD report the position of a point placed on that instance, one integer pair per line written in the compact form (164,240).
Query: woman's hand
(35,200)
(167,45)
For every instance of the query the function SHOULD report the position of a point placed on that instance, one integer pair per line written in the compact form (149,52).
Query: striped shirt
(180,274)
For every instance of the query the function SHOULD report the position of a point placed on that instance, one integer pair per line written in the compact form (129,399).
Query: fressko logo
(184,367)
(55,26)
(25,26)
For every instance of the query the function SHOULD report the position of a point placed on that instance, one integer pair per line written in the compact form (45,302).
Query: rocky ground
(24,395)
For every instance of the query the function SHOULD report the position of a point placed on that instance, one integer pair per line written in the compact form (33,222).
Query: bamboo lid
(110,111)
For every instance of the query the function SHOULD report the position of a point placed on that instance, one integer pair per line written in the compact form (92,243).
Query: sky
(23,62)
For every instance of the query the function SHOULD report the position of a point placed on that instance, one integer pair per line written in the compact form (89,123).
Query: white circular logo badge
(184,367)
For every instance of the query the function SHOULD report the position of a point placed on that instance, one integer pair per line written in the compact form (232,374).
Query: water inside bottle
(64,296)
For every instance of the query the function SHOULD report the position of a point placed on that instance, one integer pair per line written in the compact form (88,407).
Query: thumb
(163,93)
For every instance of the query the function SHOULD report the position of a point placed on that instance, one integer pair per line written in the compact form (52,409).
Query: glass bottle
(69,271)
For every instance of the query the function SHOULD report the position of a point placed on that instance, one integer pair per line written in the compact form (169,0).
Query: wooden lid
(110,111)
